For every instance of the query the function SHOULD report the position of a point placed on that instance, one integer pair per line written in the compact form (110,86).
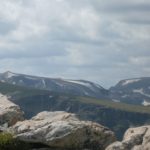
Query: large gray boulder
(134,139)
(10,113)
(63,130)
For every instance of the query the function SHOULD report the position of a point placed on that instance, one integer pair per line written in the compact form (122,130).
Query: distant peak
(9,74)
(130,81)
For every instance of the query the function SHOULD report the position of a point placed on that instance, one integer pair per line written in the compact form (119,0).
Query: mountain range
(73,87)
(120,107)
(130,91)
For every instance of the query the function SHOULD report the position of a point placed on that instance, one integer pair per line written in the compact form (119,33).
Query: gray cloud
(101,41)
(6,27)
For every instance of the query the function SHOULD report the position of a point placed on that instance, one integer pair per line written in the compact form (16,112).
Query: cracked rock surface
(134,139)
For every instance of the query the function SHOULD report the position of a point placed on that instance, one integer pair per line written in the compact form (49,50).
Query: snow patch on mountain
(20,81)
(43,82)
(126,82)
(79,82)
(31,78)
(51,96)
(138,91)
(14,83)
(98,86)
(86,84)
(124,96)
(116,101)
(59,84)
(145,103)
(141,91)
(10,74)
(86,93)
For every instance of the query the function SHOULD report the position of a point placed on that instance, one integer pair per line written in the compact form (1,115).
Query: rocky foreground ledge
(54,130)
(134,139)
(9,112)
(63,130)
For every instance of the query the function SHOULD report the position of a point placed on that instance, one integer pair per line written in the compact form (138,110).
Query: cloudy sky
(98,40)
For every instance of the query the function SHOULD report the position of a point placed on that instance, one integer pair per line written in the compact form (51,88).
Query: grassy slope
(9,89)
(121,106)
(20,91)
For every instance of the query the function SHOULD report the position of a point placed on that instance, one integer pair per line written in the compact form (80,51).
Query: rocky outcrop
(134,139)
(63,130)
(9,112)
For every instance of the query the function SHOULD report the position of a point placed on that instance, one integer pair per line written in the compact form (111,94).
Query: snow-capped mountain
(74,87)
(133,91)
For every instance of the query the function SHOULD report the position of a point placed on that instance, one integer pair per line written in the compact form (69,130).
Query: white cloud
(97,40)
(140,60)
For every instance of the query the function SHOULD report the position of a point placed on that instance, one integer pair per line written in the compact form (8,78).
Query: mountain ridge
(132,91)
(69,86)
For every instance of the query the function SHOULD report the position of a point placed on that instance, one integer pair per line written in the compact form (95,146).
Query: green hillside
(20,92)
(111,104)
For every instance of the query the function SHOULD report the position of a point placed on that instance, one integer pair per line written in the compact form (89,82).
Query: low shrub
(7,142)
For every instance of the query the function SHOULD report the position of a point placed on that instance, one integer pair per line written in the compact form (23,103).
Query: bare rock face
(134,139)
(9,112)
(63,130)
